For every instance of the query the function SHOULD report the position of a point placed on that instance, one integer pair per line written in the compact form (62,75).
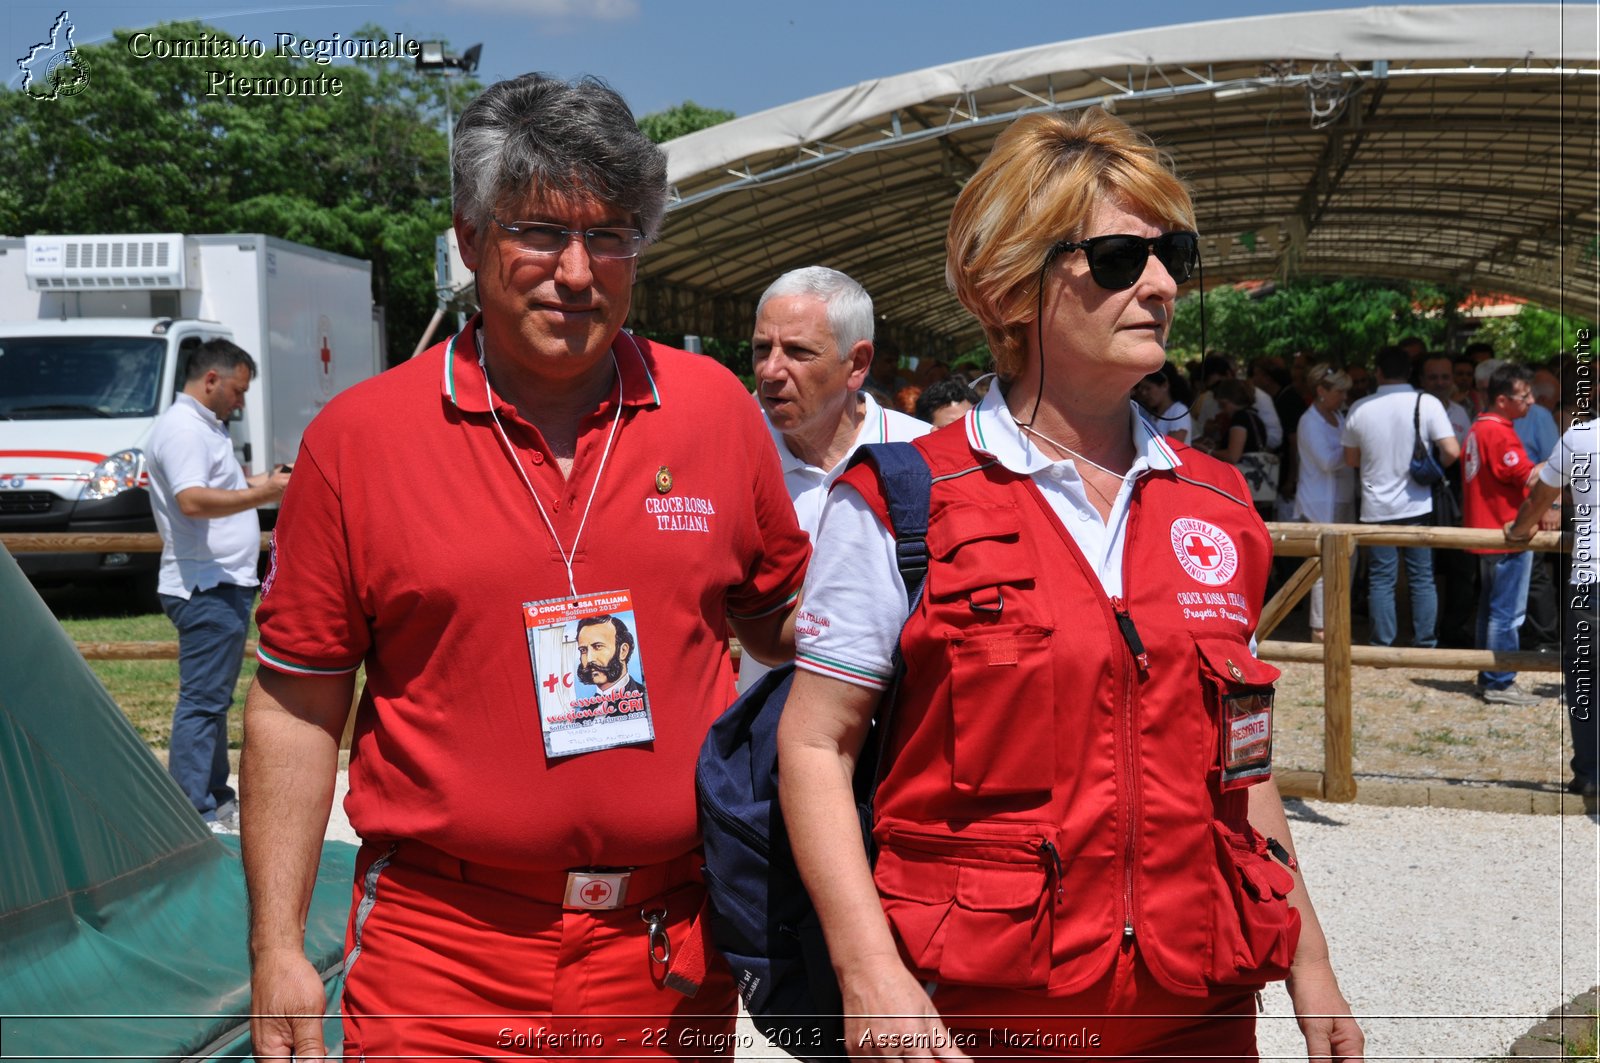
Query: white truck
(94,335)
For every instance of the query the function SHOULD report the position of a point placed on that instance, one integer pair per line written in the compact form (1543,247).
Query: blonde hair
(1040,184)
(1323,375)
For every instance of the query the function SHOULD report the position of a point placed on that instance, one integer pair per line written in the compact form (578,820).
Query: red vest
(1056,778)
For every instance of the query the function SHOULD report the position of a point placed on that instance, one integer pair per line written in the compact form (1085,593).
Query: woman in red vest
(1081,850)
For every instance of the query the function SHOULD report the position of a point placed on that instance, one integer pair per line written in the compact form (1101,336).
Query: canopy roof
(1453,144)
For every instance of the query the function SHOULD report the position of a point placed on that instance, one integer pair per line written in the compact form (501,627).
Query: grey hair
(540,134)
(849,305)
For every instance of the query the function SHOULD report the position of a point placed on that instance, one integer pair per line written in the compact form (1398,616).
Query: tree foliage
(687,117)
(1533,334)
(1345,318)
(147,146)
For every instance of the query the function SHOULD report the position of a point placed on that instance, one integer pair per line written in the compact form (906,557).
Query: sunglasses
(1117,262)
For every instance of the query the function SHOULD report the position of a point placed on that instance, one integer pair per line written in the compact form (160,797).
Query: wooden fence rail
(1327,548)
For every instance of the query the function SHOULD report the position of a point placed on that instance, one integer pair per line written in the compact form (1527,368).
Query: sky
(738,55)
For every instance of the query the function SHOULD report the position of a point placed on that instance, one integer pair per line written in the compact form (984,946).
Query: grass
(146,690)
(1427,743)
(1587,1044)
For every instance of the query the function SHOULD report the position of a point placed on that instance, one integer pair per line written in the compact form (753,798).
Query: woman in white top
(1327,489)
(1164,394)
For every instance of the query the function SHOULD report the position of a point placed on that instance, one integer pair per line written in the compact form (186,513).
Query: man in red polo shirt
(1496,473)
(529,879)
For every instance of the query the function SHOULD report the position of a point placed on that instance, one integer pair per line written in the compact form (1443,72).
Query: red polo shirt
(1495,475)
(408,542)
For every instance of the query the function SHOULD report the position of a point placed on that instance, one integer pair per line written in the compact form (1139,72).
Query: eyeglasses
(1117,262)
(547,238)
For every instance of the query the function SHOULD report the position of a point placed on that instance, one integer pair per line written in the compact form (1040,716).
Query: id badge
(1246,738)
(589,673)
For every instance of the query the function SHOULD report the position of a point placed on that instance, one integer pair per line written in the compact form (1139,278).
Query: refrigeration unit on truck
(94,334)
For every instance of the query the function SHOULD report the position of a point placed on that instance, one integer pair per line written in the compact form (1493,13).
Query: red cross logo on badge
(596,892)
(1205,551)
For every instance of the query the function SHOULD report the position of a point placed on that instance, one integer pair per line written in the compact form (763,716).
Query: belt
(595,889)
(578,889)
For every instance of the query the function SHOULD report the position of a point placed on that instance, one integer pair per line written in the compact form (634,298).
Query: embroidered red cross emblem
(596,892)
(1201,550)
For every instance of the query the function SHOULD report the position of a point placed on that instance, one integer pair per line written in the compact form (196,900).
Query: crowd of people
(1341,440)
(1080,843)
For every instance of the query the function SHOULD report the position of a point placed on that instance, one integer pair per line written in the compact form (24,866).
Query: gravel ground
(1452,931)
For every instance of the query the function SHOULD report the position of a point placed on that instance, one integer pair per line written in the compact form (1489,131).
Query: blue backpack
(761,917)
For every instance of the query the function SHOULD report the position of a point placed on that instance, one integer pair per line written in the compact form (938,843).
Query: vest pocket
(1239,696)
(971,909)
(1002,707)
(1256,929)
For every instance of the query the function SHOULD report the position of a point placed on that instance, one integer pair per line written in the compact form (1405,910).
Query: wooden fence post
(1338,771)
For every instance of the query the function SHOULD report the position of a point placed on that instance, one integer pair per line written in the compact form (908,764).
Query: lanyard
(566,555)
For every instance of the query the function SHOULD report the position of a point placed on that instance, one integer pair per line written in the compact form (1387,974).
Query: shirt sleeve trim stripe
(793,596)
(841,670)
(281,665)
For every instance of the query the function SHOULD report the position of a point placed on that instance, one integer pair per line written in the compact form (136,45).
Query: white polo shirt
(1380,427)
(1575,464)
(808,485)
(853,605)
(189,447)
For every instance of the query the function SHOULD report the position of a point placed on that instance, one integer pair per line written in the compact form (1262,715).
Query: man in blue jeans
(1379,437)
(1496,475)
(204,508)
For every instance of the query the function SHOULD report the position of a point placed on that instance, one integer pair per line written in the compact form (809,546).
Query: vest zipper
(1136,650)
(1130,634)
(1130,852)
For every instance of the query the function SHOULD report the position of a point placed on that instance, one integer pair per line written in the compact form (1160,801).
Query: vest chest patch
(1205,551)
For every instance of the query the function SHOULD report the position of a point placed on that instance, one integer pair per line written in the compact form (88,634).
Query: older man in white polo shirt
(812,349)
(205,507)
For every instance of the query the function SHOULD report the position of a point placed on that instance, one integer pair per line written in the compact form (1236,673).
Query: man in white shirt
(1574,465)
(812,349)
(204,507)
(1378,440)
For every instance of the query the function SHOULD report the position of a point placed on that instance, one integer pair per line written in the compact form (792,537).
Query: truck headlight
(118,473)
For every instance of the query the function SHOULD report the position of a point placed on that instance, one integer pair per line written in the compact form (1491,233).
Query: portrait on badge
(590,673)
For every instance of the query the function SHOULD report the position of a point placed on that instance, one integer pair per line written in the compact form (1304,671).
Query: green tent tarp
(122,917)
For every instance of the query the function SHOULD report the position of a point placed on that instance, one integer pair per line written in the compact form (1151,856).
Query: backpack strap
(907,482)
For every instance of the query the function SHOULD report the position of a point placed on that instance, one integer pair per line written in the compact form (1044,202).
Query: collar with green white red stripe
(462,384)
(993,431)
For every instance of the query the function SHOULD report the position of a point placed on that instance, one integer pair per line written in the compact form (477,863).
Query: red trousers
(1124,1016)
(438,966)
